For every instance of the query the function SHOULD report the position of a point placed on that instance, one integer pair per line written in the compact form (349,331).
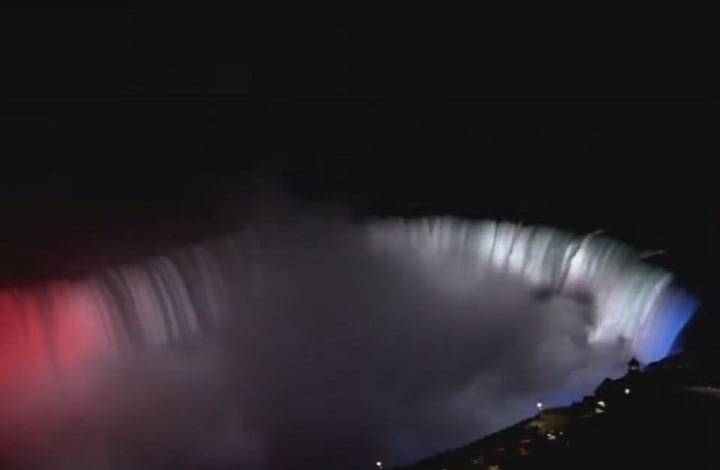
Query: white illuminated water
(632,301)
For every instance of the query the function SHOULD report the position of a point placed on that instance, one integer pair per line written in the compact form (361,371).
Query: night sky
(124,133)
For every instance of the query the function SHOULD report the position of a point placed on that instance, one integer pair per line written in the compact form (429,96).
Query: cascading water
(400,336)
(61,325)
(632,300)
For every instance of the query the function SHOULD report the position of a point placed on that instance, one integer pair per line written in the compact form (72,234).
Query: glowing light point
(378,464)
(539,406)
(627,391)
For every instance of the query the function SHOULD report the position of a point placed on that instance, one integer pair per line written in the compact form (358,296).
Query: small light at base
(627,391)
(378,464)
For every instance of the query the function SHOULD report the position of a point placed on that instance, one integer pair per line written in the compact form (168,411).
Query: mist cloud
(315,344)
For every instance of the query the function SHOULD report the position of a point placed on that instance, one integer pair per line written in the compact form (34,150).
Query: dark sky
(123,132)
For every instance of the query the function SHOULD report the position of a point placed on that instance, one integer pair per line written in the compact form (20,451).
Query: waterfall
(402,337)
